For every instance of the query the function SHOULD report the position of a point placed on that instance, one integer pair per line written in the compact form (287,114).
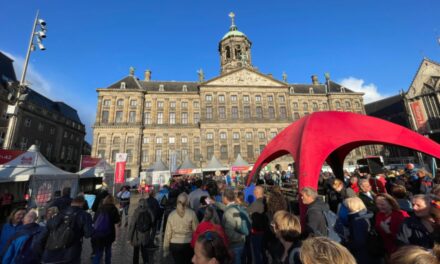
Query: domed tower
(235,49)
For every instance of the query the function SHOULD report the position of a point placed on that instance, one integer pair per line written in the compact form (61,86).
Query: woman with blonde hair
(181,224)
(321,250)
(287,228)
(359,225)
(412,255)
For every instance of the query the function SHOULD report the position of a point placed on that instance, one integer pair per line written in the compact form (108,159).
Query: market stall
(214,169)
(187,168)
(92,178)
(158,174)
(30,175)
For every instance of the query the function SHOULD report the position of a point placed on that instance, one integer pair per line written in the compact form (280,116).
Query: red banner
(121,160)
(419,117)
(88,161)
(240,168)
(8,155)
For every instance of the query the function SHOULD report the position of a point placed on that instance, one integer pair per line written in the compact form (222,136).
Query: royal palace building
(239,111)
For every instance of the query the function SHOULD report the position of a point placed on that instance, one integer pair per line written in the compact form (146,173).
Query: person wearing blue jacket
(13,224)
(25,246)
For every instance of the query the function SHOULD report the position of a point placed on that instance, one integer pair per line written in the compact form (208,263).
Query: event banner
(419,117)
(8,155)
(121,160)
(88,161)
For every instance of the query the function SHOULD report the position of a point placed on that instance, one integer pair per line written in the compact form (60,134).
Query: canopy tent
(42,177)
(240,164)
(214,165)
(187,167)
(157,174)
(101,173)
(311,143)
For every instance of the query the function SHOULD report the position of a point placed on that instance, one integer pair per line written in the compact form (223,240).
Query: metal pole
(13,119)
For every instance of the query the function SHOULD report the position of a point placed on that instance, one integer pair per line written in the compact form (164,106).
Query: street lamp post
(13,109)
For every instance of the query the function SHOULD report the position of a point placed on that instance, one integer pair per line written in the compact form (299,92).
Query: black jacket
(257,212)
(113,213)
(82,227)
(62,203)
(369,203)
(413,232)
(315,220)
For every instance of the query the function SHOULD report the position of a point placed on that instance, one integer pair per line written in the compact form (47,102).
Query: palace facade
(239,111)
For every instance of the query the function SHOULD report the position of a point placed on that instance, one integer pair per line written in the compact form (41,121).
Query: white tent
(187,167)
(43,177)
(102,170)
(157,174)
(215,165)
(240,164)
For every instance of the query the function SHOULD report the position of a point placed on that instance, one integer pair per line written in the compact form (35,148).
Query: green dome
(234,33)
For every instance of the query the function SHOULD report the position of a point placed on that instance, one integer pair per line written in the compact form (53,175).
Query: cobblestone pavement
(122,251)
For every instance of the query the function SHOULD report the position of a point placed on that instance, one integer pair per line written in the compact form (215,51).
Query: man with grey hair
(26,245)
(316,225)
(366,195)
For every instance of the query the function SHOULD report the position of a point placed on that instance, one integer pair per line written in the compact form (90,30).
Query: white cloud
(358,85)
(34,79)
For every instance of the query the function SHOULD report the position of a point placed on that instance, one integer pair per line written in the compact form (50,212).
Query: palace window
(245,98)
(147,118)
(120,102)
(160,104)
(250,151)
(184,105)
(221,98)
(148,104)
(248,135)
(259,112)
(221,112)
(247,112)
(222,135)
(130,140)
(234,112)
(144,156)
(132,116)
(283,112)
(118,117)
(133,103)
(208,112)
(116,140)
(196,104)
(208,97)
(171,140)
(305,106)
(233,98)
(102,140)
(261,135)
(184,118)
(146,140)
(196,118)
(184,140)
(270,98)
(173,105)
(347,104)
(209,136)
(158,140)
(295,106)
(296,116)
(236,135)
(106,102)
(315,106)
(281,99)
(172,118)
(209,152)
(236,150)
(223,152)
(160,118)
(258,98)
(271,112)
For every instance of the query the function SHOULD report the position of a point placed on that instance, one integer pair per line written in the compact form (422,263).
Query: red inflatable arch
(330,136)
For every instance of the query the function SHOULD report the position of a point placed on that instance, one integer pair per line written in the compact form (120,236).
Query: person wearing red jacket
(378,184)
(354,184)
(388,220)
(210,222)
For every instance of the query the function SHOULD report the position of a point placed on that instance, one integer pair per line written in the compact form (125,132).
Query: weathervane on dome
(232,16)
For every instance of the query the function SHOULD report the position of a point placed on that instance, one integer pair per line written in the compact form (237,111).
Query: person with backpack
(154,206)
(66,232)
(361,232)
(25,245)
(236,223)
(104,233)
(139,230)
(316,224)
(64,201)
(180,227)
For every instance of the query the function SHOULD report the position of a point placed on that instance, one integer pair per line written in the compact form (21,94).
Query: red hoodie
(389,240)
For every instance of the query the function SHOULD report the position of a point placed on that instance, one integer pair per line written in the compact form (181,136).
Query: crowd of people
(360,218)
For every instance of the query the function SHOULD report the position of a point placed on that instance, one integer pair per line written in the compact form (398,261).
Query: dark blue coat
(8,231)
(413,232)
(15,246)
(358,225)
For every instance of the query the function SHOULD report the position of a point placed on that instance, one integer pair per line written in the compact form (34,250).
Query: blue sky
(368,45)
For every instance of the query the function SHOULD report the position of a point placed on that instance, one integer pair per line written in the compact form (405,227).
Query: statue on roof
(284,77)
(201,75)
(232,16)
(147,75)
(244,58)
(131,71)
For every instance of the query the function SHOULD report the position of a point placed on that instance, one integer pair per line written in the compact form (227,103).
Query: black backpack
(63,233)
(143,223)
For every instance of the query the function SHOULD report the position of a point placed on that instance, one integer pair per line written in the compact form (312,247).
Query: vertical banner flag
(121,159)
(419,117)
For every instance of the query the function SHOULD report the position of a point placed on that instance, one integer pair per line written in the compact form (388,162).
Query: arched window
(228,52)
(305,106)
(116,140)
